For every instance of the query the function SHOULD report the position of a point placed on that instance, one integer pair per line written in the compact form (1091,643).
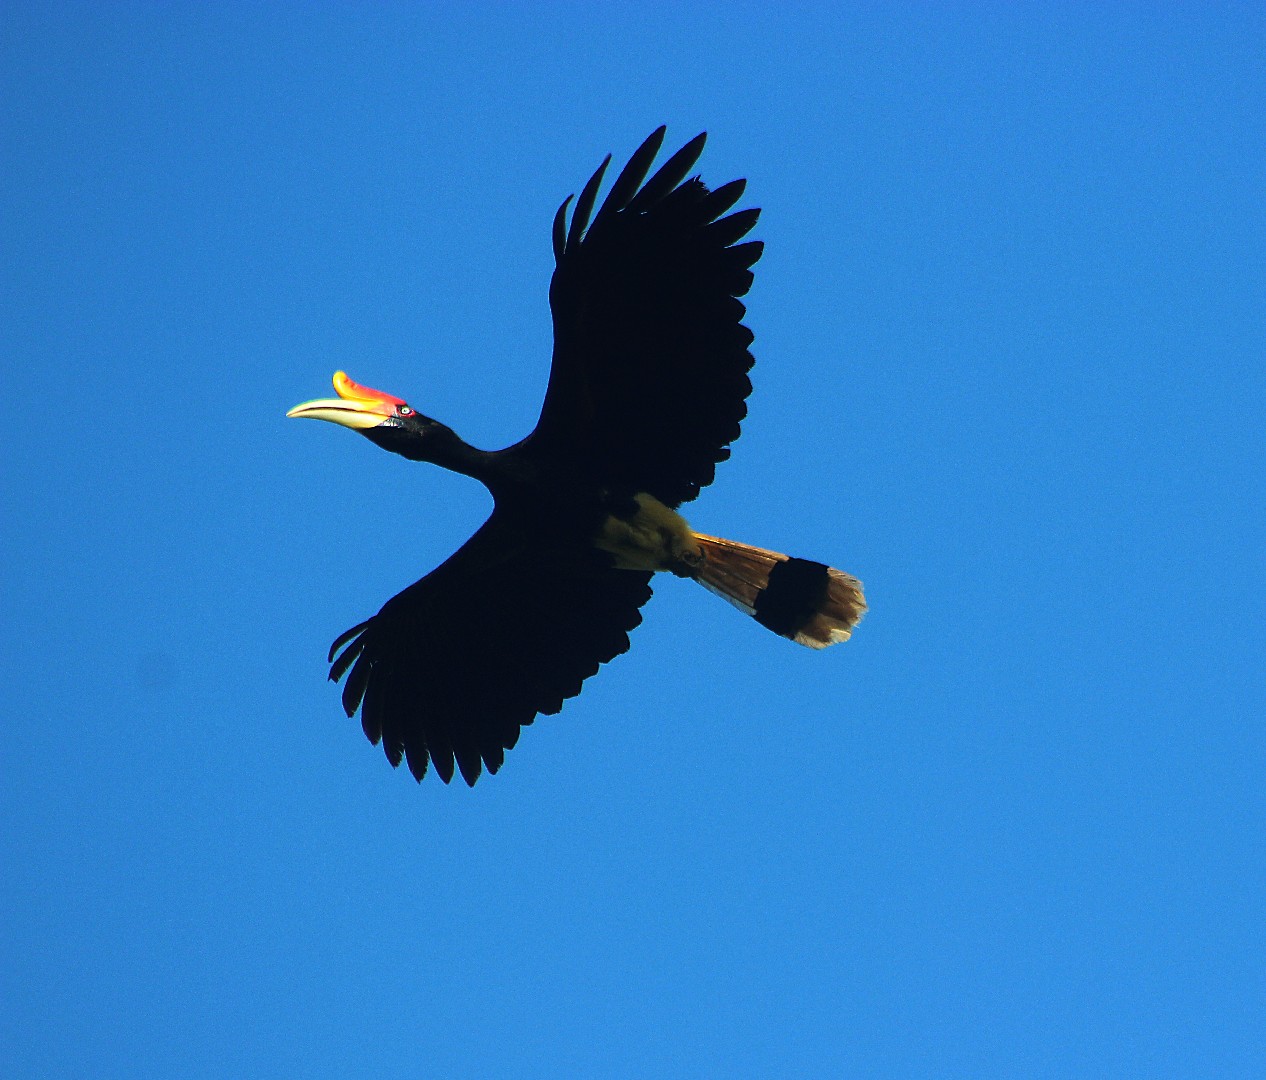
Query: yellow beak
(357,407)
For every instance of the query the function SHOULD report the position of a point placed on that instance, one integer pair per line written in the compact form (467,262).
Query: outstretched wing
(451,668)
(650,354)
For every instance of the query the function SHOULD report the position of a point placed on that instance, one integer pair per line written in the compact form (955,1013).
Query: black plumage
(646,392)
(650,353)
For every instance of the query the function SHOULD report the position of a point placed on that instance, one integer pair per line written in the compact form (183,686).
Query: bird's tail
(808,602)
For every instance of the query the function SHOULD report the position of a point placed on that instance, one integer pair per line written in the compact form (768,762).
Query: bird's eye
(404,410)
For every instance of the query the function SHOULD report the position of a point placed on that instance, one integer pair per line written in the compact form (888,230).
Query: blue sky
(1010,336)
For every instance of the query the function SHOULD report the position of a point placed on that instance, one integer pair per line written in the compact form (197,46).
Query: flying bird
(646,392)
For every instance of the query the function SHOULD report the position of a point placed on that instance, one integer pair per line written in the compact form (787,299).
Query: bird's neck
(443,447)
(502,472)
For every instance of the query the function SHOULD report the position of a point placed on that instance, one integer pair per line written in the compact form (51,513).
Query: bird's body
(646,392)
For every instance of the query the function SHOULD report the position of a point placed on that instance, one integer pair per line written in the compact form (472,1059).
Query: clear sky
(1010,338)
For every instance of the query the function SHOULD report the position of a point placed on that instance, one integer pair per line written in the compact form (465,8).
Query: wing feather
(649,379)
(632,175)
(560,228)
(510,626)
(729,230)
(719,200)
(670,174)
(584,205)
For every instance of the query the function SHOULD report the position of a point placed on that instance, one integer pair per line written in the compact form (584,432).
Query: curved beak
(357,407)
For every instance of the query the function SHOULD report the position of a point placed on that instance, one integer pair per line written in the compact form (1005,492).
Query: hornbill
(646,392)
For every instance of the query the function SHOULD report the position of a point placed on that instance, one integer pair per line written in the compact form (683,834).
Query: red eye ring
(403,410)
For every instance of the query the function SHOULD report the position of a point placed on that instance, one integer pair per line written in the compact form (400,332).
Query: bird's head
(388,421)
